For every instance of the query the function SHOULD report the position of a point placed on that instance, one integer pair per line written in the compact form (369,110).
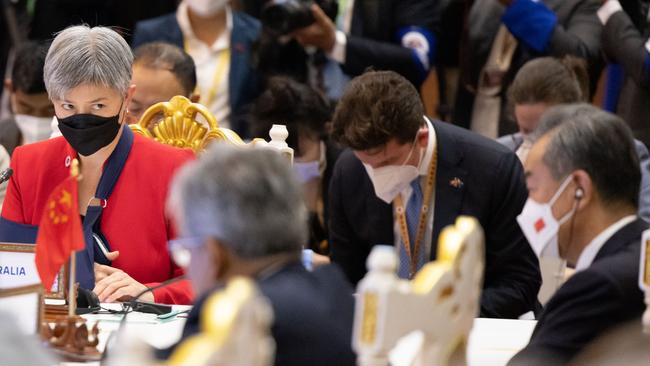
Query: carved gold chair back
(175,123)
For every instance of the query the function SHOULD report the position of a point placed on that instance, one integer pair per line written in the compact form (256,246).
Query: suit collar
(450,178)
(622,238)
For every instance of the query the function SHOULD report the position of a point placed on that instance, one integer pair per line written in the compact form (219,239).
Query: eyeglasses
(181,249)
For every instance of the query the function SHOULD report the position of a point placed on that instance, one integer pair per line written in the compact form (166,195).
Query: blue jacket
(243,80)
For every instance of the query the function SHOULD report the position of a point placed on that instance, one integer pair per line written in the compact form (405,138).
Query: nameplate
(23,304)
(18,269)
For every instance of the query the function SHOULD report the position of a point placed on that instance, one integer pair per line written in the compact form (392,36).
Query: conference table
(492,342)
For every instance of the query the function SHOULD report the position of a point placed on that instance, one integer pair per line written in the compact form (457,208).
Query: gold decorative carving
(175,123)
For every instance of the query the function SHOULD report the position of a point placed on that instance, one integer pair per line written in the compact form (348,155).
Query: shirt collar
(591,250)
(188,33)
(431,146)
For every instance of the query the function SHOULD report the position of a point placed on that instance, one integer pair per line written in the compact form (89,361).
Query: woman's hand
(112,284)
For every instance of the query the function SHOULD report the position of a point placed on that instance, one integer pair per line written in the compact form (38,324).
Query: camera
(284,16)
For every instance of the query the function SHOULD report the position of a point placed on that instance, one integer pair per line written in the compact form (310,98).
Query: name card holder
(25,305)
(18,269)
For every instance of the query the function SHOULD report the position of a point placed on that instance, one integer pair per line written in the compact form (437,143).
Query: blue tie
(412,217)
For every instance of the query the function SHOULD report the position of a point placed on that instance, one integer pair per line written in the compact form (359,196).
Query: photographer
(386,35)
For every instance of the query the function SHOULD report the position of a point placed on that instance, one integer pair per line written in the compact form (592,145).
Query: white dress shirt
(206,58)
(591,250)
(4,164)
(406,195)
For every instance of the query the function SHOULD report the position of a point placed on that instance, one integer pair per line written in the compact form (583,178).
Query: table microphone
(6,174)
(132,305)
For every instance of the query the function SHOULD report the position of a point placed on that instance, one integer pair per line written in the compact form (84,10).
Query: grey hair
(582,136)
(83,55)
(246,198)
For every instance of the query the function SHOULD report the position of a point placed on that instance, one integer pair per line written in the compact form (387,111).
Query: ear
(127,102)
(9,86)
(423,137)
(584,189)
(195,97)
(221,258)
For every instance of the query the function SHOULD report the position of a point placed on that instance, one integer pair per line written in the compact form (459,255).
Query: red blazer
(134,220)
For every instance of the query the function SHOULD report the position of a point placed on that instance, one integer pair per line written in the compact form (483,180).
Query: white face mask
(390,180)
(33,129)
(206,8)
(540,226)
(307,171)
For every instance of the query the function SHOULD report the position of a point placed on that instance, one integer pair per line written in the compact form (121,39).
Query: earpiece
(579,193)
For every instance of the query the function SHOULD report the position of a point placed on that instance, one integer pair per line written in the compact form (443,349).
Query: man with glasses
(241,213)
(583,177)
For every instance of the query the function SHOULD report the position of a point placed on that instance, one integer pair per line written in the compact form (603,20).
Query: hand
(102,271)
(320,260)
(116,285)
(321,34)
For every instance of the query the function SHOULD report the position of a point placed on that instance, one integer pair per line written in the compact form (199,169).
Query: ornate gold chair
(175,123)
(445,293)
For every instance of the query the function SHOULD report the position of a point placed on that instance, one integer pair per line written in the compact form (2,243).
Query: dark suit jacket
(243,81)
(493,191)
(590,303)
(312,316)
(577,33)
(373,39)
(319,233)
(624,44)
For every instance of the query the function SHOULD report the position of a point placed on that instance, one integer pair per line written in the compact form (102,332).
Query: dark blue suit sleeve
(363,52)
(512,277)
(624,44)
(345,247)
(584,307)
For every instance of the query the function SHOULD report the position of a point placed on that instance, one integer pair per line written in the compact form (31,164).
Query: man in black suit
(383,191)
(393,35)
(252,222)
(583,179)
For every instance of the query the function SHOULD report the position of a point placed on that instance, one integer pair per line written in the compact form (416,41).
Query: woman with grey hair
(125,177)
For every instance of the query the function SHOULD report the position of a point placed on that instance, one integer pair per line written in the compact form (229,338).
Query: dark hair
(598,142)
(27,72)
(298,106)
(160,55)
(376,107)
(550,80)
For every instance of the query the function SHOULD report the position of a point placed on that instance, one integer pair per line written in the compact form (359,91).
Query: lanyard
(220,70)
(413,251)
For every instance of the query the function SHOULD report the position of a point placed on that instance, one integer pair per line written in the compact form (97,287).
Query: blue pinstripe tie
(412,217)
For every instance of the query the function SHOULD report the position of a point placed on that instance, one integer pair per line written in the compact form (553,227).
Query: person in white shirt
(220,41)
(583,178)
(4,164)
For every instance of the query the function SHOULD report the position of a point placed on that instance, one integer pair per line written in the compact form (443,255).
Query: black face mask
(87,133)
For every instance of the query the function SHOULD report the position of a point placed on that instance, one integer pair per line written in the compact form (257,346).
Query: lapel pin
(456,183)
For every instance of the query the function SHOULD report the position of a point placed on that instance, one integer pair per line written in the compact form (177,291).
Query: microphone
(133,304)
(6,174)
